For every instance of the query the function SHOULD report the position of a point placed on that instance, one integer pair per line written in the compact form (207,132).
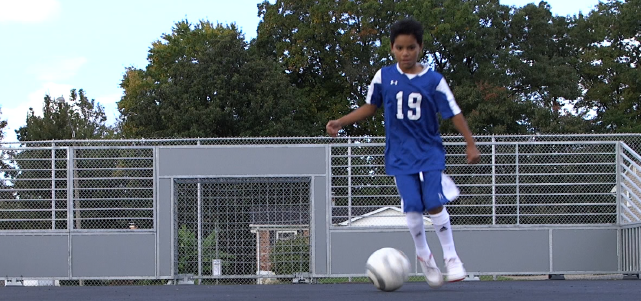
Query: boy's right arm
(364,111)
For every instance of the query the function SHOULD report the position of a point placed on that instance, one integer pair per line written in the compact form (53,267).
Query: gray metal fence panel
(579,250)
(166,224)
(34,255)
(320,226)
(113,255)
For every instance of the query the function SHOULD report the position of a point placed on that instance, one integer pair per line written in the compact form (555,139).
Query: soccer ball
(388,269)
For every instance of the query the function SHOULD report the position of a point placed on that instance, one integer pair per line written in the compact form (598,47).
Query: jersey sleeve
(445,101)
(374,93)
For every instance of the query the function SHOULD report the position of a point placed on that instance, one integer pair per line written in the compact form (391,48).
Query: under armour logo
(394,82)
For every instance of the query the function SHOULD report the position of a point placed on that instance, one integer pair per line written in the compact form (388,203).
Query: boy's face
(406,51)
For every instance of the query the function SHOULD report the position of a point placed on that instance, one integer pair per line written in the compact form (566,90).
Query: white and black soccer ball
(388,269)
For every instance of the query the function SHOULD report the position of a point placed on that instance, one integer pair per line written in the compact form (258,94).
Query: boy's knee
(436,210)
(440,218)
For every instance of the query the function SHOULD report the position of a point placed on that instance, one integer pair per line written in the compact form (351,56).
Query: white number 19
(413,102)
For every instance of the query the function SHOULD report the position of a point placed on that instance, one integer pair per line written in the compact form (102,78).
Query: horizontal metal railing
(516,183)
(77,187)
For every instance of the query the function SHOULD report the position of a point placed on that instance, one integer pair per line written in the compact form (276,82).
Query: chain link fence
(113,188)
(34,194)
(516,183)
(256,230)
(61,188)
(243,230)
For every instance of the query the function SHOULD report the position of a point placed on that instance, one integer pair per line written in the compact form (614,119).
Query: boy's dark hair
(409,27)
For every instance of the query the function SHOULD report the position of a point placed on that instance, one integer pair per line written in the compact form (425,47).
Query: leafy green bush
(290,256)
(188,252)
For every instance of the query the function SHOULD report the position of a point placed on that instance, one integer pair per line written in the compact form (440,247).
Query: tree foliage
(514,70)
(3,124)
(75,118)
(330,50)
(203,81)
(291,256)
(609,56)
(5,157)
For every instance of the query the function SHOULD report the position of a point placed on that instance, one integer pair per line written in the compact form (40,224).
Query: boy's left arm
(473,154)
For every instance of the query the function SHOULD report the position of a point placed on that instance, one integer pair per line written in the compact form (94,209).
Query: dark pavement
(568,290)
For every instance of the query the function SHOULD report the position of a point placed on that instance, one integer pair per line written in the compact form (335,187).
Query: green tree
(331,50)
(77,117)
(4,154)
(203,81)
(3,124)
(510,68)
(7,198)
(609,65)
(544,69)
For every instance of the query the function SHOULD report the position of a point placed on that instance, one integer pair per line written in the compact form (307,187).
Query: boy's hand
(332,127)
(473,155)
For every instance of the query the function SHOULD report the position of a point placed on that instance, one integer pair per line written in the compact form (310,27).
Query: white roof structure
(382,217)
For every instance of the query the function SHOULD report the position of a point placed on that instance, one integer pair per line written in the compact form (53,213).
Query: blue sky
(52,46)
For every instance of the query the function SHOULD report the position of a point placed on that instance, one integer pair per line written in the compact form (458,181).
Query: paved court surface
(568,290)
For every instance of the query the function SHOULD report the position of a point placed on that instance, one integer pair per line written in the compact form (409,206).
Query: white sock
(443,229)
(417,229)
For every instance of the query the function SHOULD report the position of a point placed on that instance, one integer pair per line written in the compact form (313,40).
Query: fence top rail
(318,138)
(18,147)
(99,147)
(293,143)
(478,143)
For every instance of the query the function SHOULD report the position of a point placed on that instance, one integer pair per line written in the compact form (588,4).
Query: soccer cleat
(432,274)
(455,270)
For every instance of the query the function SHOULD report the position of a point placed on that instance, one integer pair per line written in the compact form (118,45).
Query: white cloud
(16,116)
(28,11)
(58,70)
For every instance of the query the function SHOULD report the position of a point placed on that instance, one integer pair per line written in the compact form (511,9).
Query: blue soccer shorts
(425,191)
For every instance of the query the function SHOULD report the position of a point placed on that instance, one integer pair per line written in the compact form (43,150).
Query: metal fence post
(70,188)
(493,180)
(349,181)
(200,230)
(518,193)
(69,205)
(622,251)
(618,182)
(53,185)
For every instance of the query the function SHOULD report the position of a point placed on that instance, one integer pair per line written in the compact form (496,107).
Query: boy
(411,96)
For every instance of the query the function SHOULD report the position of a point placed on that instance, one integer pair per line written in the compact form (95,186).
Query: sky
(48,47)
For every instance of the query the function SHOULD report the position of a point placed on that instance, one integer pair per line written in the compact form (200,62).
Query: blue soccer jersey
(411,102)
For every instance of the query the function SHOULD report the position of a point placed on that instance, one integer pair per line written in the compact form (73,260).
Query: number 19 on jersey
(413,104)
